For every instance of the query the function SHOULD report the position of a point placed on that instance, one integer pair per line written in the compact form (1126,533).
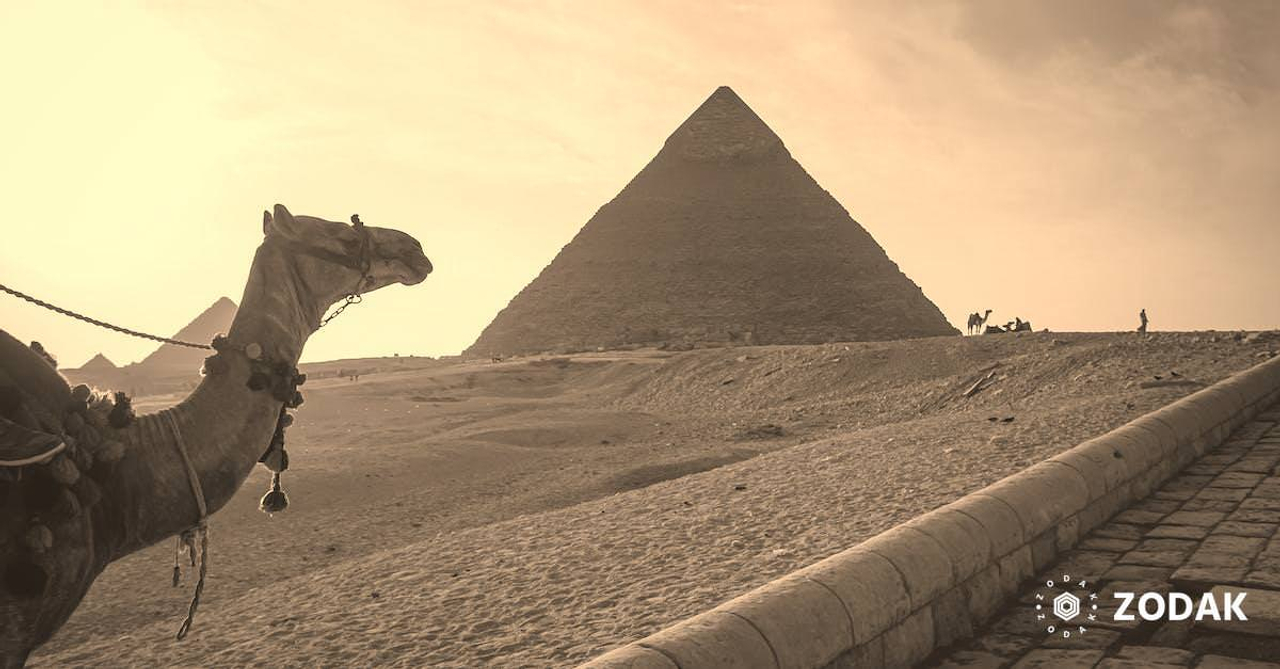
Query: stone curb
(896,597)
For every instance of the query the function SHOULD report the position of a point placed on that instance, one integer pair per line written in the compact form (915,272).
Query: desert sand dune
(534,513)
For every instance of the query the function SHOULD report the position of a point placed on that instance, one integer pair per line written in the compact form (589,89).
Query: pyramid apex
(98,362)
(213,320)
(723,127)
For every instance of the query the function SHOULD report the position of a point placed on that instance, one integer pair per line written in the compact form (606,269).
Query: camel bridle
(361,261)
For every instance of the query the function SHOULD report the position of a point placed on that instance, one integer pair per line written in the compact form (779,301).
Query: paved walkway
(1211,529)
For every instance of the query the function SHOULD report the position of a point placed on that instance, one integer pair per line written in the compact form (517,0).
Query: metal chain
(354,298)
(101,324)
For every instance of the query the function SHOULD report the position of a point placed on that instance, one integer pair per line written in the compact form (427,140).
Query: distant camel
(977,321)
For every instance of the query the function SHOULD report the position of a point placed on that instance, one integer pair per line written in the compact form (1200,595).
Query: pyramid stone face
(722,237)
(98,363)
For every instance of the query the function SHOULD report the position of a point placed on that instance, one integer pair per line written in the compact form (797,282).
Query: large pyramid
(722,237)
(212,321)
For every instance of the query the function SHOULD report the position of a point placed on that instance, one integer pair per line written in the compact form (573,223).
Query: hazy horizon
(1065,163)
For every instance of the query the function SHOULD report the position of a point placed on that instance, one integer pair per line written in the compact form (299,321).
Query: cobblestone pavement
(1210,529)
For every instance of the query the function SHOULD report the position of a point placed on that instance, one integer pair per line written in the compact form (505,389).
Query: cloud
(1230,41)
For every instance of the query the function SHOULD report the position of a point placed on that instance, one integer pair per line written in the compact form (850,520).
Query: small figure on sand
(1142,316)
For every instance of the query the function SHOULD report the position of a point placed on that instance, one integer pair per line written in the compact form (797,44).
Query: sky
(1066,162)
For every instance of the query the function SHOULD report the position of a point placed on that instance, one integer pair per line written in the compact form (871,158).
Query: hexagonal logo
(1066,606)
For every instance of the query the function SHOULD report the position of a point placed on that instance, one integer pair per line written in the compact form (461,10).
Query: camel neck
(225,426)
(278,310)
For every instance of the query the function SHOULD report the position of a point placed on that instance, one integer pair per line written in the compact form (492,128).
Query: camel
(83,489)
(977,321)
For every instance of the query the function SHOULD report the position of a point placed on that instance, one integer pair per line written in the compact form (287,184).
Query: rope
(354,297)
(35,459)
(101,324)
(195,597)
(201,527)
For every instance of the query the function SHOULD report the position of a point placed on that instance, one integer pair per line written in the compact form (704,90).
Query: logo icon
(1066,607)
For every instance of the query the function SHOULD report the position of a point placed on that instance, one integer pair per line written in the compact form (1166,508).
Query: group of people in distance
(978,324)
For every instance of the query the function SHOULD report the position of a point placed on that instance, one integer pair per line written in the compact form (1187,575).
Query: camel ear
(266,221)
(282,223)
(282,215)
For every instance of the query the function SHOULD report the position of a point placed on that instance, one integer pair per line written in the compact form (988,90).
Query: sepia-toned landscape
(641,335)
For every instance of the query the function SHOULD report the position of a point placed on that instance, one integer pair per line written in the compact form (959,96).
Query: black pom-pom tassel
(122,413)
(275,500)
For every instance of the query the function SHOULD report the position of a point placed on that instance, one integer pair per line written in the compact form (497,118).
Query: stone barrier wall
(893,599)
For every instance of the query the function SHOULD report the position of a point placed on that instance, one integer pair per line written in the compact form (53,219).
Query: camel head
(335,259)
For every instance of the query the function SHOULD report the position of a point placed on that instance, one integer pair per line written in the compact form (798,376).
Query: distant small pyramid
(724,237)
(213,321)
(98,364)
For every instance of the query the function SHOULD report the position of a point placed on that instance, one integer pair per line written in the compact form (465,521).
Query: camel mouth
(418,270)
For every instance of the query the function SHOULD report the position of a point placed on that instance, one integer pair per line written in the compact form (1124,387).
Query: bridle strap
(361,262)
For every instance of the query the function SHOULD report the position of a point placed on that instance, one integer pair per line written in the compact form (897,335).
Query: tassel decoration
(275,500)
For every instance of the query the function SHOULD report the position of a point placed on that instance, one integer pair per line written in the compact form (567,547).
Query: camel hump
(32,393)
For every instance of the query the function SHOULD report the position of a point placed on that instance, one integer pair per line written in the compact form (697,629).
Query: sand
(534,513)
